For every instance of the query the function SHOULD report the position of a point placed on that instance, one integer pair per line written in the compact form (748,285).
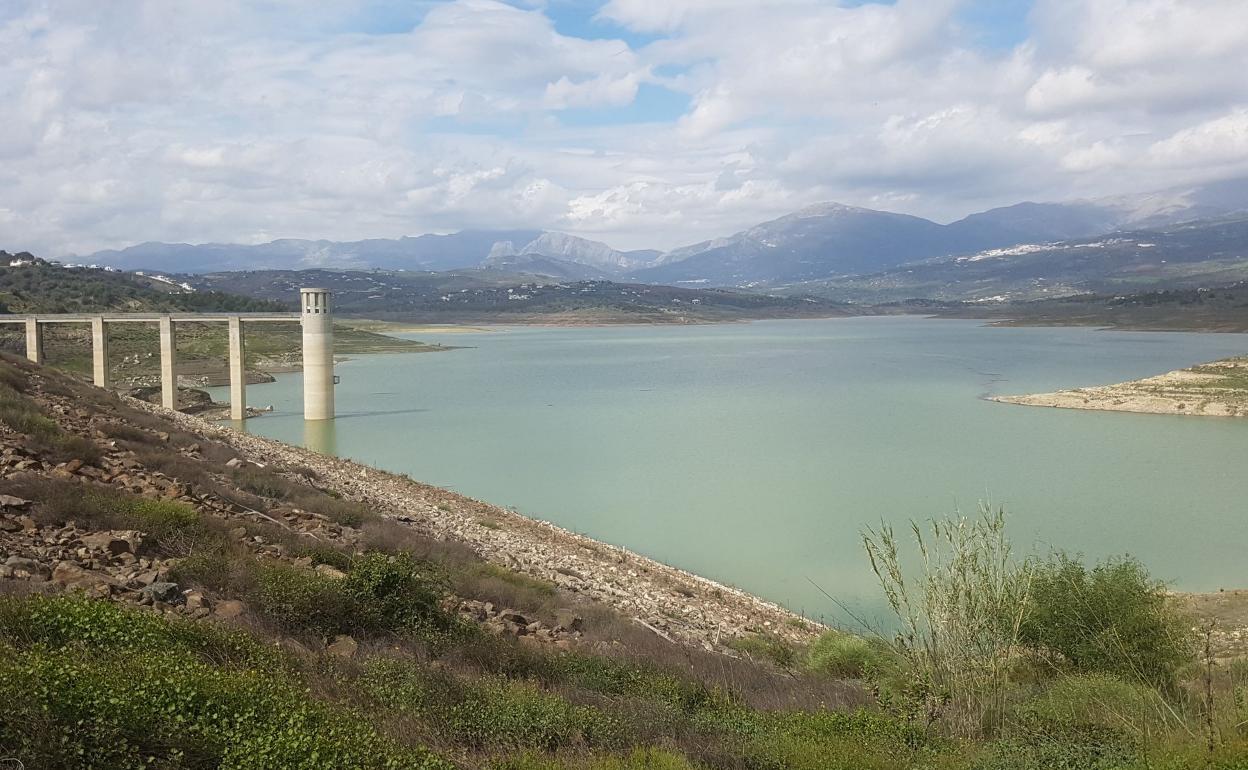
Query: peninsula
(1215,389)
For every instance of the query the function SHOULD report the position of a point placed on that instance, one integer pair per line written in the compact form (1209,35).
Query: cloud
(247,120)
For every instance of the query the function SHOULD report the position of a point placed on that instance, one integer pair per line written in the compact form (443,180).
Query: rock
(145,578)
(162,591)
(567,620)
(234,463)
(229,608)
(73,465)
(9,501)
(195,600)
(511,616)
(10,525)
(330,572)
(115,543)
(73,576)
(343,646)
(30,566)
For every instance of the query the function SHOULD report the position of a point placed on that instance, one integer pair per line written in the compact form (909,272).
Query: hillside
(33,285)
(478,296)
(175,594)
(1201,254)
(1224,309)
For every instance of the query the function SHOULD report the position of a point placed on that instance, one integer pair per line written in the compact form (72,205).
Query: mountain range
(817,246)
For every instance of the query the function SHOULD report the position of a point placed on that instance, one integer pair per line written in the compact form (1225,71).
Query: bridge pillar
(168,363)
(34,340)
(318,354)
(238,374)
(99,351)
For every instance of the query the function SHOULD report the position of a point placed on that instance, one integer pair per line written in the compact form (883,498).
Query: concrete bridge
(315,316)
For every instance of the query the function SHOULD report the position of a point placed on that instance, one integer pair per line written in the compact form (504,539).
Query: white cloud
(241,120)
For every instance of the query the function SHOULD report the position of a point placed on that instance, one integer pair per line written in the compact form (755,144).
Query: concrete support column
(238,374)
(34,340)
(168,363)
(318,354)
(99,351)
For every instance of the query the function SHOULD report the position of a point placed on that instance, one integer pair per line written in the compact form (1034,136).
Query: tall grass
(959,617)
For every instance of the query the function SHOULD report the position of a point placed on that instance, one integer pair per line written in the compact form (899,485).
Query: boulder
(330,572)
(567,620)
(16,503)
(29,566)
(343,646)
(114,542)
(162,591)
(229,608)
(74,576)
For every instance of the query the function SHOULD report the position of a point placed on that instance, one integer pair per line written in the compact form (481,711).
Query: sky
(641,123)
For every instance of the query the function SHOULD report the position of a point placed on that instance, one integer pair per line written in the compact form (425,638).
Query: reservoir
(756,454)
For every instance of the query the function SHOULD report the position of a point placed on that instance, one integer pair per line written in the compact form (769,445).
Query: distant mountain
(817,242)
(536,264)
(561,249)
(1201,254)
(425,252)
(831,240)
(825,242)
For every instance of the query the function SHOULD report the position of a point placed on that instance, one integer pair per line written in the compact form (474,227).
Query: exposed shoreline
(1215,389)
(670,601)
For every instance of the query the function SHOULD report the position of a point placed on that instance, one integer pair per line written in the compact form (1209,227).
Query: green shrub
(1100,700)
(1113,618)
(638,759)
(763,647)
(380,595)
(846,656)
(488,712)
(301,600)
(92,685)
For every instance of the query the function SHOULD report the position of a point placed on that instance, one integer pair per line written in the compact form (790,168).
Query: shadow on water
(378,413)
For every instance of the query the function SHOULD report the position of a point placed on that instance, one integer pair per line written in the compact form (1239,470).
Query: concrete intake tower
(318,354)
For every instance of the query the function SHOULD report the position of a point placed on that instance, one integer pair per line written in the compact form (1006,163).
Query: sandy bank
(1217,389)
(672,602)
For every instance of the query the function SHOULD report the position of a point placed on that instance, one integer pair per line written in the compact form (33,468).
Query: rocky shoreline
(1216,389)
(671,602)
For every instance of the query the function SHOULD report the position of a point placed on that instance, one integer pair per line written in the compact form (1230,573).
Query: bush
(1113,618)
(762,647)
(89,684)
(846,656)
(639,759)
(1098,700)
(487,712)
(380,595)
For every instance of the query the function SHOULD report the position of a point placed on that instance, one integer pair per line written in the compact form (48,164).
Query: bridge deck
(53,318)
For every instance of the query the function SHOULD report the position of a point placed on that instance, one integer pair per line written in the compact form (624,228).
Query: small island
(1215,389)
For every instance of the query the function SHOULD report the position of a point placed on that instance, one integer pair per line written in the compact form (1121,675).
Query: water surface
(756,453)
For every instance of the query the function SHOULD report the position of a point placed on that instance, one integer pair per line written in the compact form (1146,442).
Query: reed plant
(959,611)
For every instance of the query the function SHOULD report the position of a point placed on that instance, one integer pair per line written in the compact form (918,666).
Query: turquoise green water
(756,453)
